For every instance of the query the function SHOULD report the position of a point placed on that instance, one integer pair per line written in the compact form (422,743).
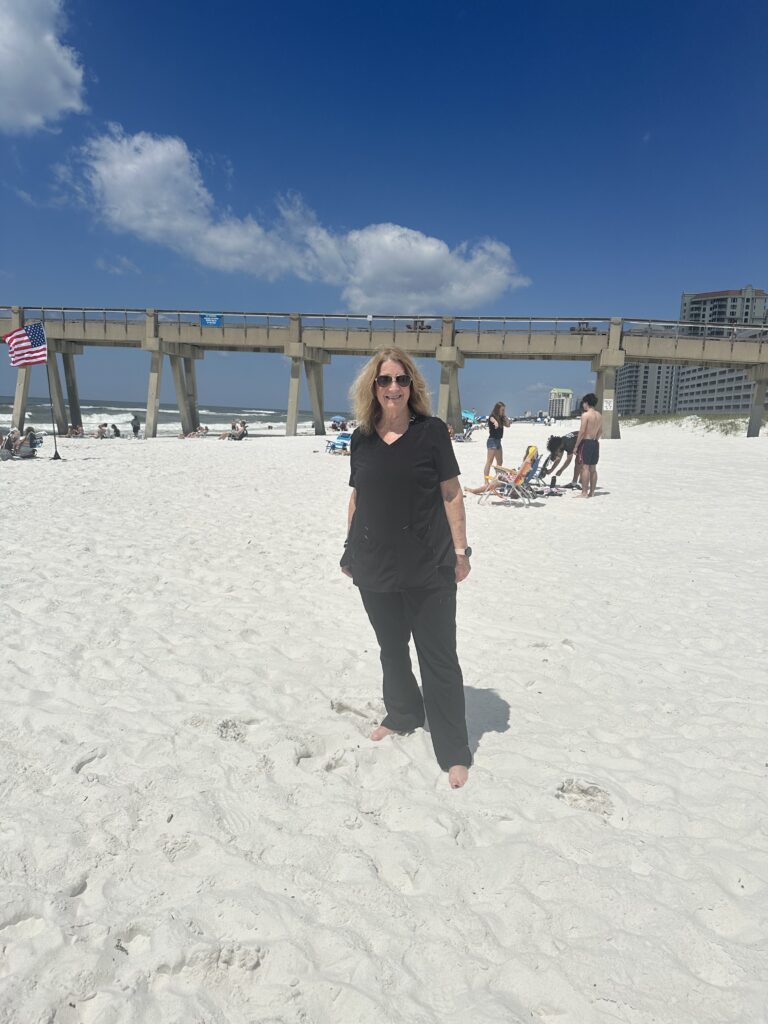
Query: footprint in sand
(231,729)
(585,796)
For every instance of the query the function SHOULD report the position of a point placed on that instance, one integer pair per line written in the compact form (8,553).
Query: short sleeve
(445,459)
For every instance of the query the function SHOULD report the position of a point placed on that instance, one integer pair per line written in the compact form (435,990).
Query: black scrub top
(399,538)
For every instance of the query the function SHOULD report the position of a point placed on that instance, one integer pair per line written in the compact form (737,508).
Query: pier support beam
(182,400)
(151,343)
(67,350)
(57,395)
(23,377)
(314,372)
(75,416)
(294,348)
(313,360)
(190,378)
(759,375)
(605,366)
(451,360)
(153,394)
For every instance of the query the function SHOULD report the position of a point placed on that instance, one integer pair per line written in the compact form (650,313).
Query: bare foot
(382,731)
(457,776)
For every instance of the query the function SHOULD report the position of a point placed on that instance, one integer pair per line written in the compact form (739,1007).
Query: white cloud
(120,265)
(533,388)
(41,79)
(151,187)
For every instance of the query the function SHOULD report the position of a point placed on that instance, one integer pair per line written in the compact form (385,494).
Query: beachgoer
(406,550)
(101,430)
(228,433)
(23,445)
(496,423)
(136,425)
(492,485)
(557,448)
(115,431)
(588,444)
(13,435)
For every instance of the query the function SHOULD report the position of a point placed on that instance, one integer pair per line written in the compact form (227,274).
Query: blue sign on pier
(210,320)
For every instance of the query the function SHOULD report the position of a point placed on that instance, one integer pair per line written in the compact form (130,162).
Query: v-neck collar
(391,444)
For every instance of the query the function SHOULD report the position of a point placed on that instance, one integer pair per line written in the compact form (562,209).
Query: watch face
(467,552)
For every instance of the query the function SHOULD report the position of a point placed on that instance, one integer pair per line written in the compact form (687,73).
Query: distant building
(712,388)
(646,389)
(745,306)
(656,388)
(560,402)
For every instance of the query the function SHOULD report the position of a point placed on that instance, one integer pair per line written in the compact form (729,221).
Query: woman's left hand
(463,568)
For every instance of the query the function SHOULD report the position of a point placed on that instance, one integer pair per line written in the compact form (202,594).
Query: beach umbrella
(337,419)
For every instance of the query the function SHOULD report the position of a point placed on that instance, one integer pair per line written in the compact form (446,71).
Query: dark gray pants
(430,617)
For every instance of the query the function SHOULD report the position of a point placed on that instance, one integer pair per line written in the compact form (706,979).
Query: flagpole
(53,418)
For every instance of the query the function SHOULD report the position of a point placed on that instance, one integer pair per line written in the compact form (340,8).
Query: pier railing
(321,324)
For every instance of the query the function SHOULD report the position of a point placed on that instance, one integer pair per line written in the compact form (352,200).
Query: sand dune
(196,828)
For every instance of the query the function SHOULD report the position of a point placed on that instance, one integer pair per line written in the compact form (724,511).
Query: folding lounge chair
(339,445)
(507,483)
(466,434)
(527,486)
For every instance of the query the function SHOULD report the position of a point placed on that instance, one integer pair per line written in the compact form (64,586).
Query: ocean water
(216,417)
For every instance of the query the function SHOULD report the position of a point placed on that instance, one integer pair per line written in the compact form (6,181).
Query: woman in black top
(496,423)
(407,549)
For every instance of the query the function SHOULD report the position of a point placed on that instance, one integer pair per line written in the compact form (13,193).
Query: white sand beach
(196,829)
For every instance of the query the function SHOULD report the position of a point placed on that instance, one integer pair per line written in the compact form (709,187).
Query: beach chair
(466,434)
(506,484)
(527,486)
(339,445)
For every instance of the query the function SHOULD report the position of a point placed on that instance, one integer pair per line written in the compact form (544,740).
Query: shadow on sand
(486,712)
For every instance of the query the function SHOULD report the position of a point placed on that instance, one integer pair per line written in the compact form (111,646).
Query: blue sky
(542,158)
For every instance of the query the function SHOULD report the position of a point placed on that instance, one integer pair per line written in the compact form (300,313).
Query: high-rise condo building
(646,389)
(560,402)
(656,388)
(713,388)
(745,306)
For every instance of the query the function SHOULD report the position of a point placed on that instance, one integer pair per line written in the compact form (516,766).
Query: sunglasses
(385,379)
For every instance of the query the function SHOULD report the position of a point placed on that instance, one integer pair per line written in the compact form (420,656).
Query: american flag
(28,345)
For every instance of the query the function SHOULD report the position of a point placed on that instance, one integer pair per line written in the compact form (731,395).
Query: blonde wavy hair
(363,391)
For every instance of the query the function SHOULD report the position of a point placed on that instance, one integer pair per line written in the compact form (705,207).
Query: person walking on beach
(496,423)
(588,444)
(406,550)
(136,425)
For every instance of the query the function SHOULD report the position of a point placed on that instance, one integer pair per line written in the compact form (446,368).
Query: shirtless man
(588,444)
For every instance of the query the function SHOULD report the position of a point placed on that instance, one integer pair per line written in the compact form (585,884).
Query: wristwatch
(463,551)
